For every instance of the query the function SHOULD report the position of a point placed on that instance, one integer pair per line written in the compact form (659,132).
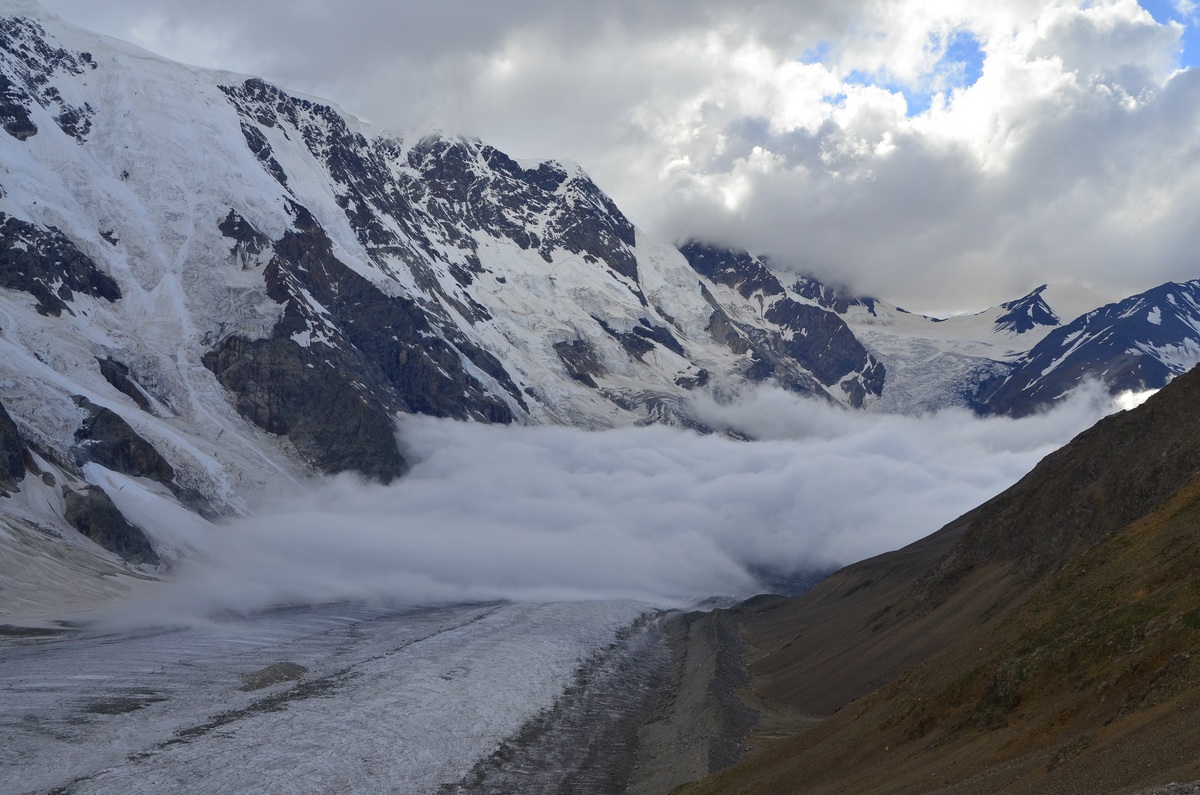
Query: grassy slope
(1043,643)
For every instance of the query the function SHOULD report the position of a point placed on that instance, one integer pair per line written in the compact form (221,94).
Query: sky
(931,153)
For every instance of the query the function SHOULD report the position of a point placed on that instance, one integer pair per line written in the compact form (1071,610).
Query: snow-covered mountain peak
(1026,313)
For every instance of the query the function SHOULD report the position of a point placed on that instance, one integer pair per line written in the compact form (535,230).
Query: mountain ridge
(1039,643)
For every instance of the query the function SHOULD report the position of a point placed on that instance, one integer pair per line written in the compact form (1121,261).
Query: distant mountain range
(209,285)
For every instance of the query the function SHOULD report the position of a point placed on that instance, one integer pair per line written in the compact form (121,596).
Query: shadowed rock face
(1027,313)
(34,63)
(107,439)
(580,360)
(344,358)
(12,452)
(14,117)
(92,513)
(44,263)
(332,424)
(119,376)
(815,338)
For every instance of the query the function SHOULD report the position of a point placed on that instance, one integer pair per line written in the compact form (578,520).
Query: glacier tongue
(388,700)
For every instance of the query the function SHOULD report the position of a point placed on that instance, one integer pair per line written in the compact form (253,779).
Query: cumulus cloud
(658,514)
(788,129)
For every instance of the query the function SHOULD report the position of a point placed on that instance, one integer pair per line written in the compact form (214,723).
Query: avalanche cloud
(656,514)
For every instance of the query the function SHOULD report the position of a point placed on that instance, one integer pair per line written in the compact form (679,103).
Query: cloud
(657,514)
(785,128)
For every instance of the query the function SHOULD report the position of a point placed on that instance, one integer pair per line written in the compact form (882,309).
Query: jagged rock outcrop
(105,438)
(46,264)
(92,513)
(805,333)
(118,374)
(12,453)
(27,77)
(1027,313)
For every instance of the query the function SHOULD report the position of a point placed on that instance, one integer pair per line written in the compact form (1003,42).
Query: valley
(336,459)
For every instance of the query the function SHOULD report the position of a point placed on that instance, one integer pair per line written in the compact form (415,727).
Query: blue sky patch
(816,54)
(1165,11)
(960,66)
(966,56)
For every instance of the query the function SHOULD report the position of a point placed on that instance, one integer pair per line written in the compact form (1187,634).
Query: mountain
(939,362)
(1044,642)
(1027,313)
(1024,355)
(210,286)
(1136,344)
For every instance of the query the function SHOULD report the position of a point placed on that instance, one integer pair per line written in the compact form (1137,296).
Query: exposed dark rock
(46,264)
(30,62)
(14,116)
(1026,314)
(658,334)
(821,342)
(741,271)
(636,345)
(460,186)
(815,338)
(699,379)
(723,329)
(272,675)
(261,148)
(856,393)
(286,390)
(118,375)
(12,453)
(93,513)
(590,224)
(394,336)
(247,239)
(837,299)
(196,502)
(345,357)
(580,360)
(108,440)
(75,122)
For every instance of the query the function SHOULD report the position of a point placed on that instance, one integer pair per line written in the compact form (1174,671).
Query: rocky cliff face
(12,452)
(803,333)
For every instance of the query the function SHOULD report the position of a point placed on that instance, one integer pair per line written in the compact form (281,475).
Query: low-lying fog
(655,513)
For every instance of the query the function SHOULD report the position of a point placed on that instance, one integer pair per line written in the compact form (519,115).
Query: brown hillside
(1048,641)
